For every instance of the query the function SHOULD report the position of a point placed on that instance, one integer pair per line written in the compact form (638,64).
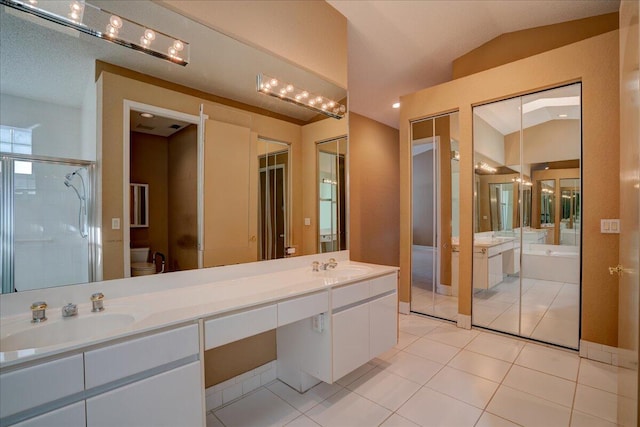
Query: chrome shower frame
(7,208)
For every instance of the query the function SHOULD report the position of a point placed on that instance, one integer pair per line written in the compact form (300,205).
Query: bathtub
(551,262)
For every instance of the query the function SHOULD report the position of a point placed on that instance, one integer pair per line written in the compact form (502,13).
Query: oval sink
(346,272)
(64,330)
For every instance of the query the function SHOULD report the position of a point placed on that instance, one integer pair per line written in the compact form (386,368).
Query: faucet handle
(69,310)
(38,312)
(315,265)
(97,301)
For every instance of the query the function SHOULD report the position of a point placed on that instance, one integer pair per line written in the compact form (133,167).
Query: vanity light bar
(485,167)
(92,20)
(523,181)
(288,92)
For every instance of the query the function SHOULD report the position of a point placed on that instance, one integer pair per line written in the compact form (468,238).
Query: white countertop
(179,304)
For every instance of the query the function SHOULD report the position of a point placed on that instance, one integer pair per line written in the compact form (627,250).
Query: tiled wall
(227,391)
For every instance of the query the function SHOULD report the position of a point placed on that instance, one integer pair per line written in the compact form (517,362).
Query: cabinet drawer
(131,357)
(172,398)
(383,284)
(68,416)
(36,385)
(234,327)
(349,294)
(301,308)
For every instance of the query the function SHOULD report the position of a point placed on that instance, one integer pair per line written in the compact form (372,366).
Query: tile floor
(439,375)
(550,310)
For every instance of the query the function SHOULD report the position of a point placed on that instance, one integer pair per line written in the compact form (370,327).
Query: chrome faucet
(97,301)
(332,263)
(69,310)
(38,312)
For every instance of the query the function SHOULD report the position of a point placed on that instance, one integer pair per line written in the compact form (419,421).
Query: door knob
(618,269)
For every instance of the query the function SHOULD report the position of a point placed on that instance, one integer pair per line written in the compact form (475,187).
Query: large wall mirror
(81,119)
(435,216)
(526,253)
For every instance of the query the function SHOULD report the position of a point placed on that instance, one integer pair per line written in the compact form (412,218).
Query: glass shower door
(45,226)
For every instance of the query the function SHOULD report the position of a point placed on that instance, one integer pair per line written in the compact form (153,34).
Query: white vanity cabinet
(361,323)
(153,380)
(29,391)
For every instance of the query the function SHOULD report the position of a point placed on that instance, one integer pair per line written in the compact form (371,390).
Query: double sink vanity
(140,360)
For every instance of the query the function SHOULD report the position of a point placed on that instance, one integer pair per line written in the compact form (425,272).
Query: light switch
(307,221)
(610,226)
(115,223)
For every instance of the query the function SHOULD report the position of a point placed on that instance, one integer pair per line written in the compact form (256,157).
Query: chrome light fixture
(485,167)
(97,22)
(288,92)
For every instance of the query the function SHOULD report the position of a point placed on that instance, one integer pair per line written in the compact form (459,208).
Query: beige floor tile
(528,410)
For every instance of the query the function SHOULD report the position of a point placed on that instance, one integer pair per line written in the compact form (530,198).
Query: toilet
(139,264)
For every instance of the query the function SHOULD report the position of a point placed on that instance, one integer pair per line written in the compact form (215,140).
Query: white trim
(602,353)
(464,321)
(126,164)
(404,307)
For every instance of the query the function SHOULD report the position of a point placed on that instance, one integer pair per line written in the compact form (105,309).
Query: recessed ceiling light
(396,105)
(147,115)
(562,116)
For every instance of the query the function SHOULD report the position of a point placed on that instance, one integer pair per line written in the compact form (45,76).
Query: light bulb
(324,106)
(33,2)
(289,88)
(318,99)
(304,94)
(343,109)
(172,51)
(74,15)
(331,104)
(274,82)
(267,86)
(144,42)
(149,35)
(178,45)
(76,6)
(298,97)
(111,31)
(115,21)
(312,102)
(283,91)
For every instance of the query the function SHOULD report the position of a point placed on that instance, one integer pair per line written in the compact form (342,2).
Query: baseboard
(404,307)
(602,353)
(236,387)
(464,321)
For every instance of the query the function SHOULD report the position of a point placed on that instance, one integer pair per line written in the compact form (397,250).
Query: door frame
(198,120)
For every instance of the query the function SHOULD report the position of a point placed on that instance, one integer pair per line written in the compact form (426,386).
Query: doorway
(164,165)
(273,221)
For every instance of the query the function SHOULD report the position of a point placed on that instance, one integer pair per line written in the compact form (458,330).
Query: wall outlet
(291,250)
(115,223)
(610,226)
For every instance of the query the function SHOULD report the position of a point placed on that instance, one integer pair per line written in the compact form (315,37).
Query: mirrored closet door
(435,178)
(526,253)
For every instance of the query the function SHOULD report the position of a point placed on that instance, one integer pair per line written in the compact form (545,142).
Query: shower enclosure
(45,225)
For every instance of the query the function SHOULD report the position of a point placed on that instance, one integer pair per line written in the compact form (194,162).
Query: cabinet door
(350,340)
(40,384)
(495,270)
(383,320)
(173,398)
(69,416)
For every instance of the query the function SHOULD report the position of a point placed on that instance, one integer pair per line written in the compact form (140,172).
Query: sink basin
(347,272)
(63,330)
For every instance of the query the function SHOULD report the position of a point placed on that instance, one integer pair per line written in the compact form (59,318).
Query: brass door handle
(618,269)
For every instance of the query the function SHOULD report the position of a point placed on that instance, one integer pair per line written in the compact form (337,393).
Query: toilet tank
(139,255)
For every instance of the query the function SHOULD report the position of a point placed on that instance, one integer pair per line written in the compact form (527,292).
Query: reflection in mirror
(139,205)
(332,212)
(546,189)
(71,115)
(273,213)
(570,211)
(435,216)
(526,277)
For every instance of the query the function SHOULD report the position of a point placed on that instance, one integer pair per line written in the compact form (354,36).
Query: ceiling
(398,47)
(218,64)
